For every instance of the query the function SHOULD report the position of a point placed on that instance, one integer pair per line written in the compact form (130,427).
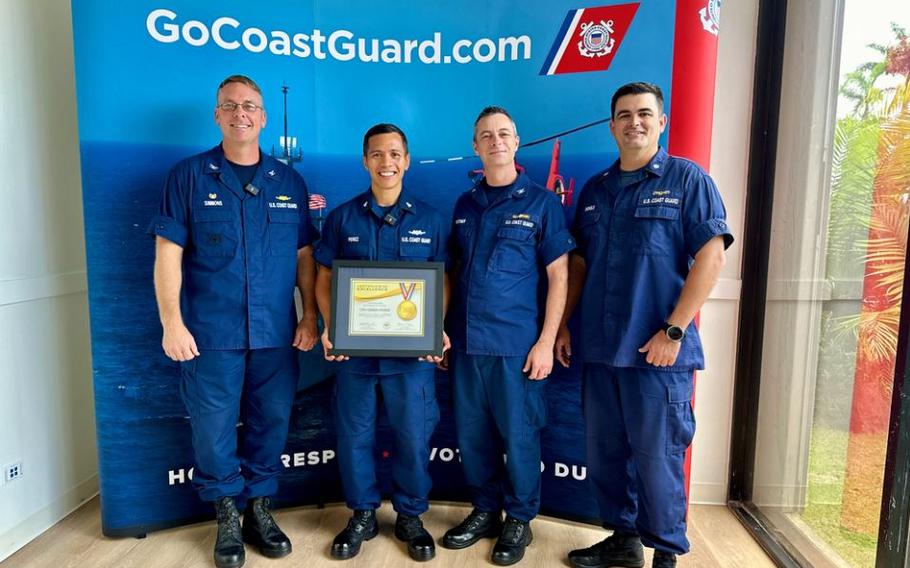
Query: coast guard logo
(417,232)
(589,39)
(710,16)
(596,39)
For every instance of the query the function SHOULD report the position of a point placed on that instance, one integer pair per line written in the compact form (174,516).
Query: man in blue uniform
(509,241)
(233,236)
(385,222)
(651,235)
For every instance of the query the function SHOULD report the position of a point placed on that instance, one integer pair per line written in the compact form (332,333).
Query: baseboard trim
(703,493)
(38,522)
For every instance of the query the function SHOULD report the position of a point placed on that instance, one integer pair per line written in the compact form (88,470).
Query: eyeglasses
(231,107)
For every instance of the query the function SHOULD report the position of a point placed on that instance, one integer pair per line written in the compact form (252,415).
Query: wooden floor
(718,540)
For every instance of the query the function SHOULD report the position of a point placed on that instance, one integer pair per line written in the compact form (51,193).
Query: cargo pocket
(680,418)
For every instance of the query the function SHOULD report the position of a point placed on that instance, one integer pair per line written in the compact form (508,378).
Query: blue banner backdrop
(146,77)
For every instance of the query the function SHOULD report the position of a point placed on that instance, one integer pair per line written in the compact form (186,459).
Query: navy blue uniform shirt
(503,249)
(638,243)
(239,250)
(359,229)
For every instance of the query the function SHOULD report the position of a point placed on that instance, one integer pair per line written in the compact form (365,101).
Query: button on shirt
(239,249)
(359,229)
(638,243)
(503,249)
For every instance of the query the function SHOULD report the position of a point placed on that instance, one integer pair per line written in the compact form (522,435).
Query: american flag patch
(588,39)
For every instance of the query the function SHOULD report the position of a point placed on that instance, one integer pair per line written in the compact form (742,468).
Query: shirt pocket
(355,251)
(284,227)
(215,233)
(515,251)
(590,232)
(464,239)
(656,230)
(415,251)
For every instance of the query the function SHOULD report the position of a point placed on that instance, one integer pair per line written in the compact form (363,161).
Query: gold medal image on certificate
(387,307)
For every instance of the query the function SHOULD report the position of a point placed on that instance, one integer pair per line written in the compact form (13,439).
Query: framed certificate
(386,309)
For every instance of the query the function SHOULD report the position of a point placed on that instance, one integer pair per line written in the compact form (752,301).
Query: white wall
(720,315)
(46,401)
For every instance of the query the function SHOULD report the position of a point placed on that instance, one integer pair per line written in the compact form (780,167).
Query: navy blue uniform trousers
(639,424)
(410,402)
(499,410)
(223,387)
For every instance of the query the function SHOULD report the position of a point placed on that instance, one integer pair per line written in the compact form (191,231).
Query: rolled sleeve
(172,219)
(704,216)
(704,232)
(170,229)
(555,238)
(556,246)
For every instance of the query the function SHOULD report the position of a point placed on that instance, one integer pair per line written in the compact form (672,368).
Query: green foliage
(827,463)
(853,164)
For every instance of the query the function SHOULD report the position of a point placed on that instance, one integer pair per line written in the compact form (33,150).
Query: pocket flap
(279,216)
(657,212)
(589,219)
(679,393)
(212,215)
(516,233)
(414,250)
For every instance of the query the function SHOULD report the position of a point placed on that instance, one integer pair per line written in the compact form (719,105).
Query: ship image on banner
(588,39)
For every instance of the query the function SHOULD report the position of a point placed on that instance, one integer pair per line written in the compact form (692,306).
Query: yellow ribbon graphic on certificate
(381,306)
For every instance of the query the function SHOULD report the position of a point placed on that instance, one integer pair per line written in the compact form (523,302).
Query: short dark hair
(238,79)
(383,128)
(493,109)
(638,88)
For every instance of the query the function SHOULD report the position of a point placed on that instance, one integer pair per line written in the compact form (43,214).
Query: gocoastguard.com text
(341,45)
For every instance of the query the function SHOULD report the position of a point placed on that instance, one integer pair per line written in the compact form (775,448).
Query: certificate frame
(389,327)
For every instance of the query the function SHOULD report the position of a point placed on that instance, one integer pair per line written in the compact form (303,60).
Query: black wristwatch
(674,333)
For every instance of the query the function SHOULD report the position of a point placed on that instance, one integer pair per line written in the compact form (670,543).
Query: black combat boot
(663,560)
(621,550)
(261,530)
(477,525)
(420,544)
(510,548)
(361,527)
(229,551)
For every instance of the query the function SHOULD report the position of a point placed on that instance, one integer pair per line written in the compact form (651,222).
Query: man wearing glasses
(233,237)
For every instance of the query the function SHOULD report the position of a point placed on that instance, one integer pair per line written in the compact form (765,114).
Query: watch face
(675,333)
